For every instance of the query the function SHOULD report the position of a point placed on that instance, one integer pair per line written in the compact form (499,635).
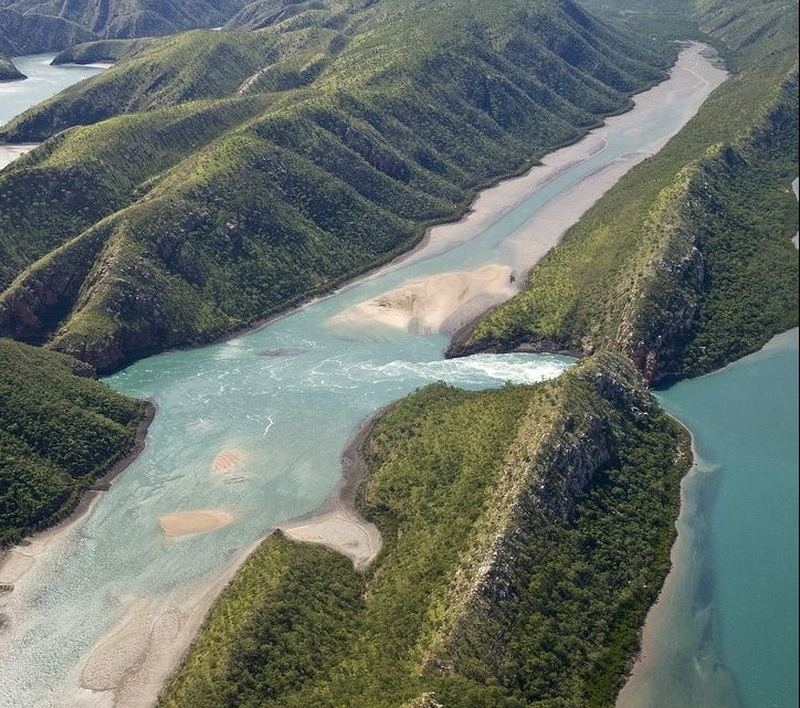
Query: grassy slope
(509,576)
(37,26)
(104,50)
(60,430)
(686,264)
(372,125)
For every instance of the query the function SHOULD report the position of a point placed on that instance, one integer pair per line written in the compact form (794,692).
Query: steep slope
(104,50)
(35,33)
(525,531)
(60,431)
(33,26)
(9,72)
(361,139)
(687,264)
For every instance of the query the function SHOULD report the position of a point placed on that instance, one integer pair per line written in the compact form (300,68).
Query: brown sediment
(190,522)
(227,461)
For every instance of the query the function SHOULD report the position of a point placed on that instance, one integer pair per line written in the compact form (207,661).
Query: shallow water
(747,422)
(43,82)
(283,400)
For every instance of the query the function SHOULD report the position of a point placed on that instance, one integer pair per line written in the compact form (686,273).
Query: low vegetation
(228,175)
(60,430)
(687,263)
(526,532)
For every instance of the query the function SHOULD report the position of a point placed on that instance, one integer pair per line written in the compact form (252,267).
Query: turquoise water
(284,399)
(43,82)
(745,420)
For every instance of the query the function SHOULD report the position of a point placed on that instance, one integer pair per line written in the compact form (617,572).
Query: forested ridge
(60,430)
(526,532)
(687,263)
(227,175)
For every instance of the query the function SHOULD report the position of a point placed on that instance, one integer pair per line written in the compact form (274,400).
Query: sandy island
(186,523)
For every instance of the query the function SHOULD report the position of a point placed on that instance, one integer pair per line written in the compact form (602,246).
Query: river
(251,429)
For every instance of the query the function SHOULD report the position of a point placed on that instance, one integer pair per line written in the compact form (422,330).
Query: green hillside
(240,173)
(103,50)
(60,431)
(526,532)
(37,26)
(687,263)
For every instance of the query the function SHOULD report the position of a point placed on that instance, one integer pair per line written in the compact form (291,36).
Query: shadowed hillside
(687,263)
(226,176)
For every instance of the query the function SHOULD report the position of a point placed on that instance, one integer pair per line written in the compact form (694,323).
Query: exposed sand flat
(344,532)
(14,566)
(441,302)
(691,80)
(185,523)
(129,665)
(227,461)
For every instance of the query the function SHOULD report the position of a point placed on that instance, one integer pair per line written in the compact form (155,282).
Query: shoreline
(483,209)
(332,523)
(535,172)
(688,524)
(44,537)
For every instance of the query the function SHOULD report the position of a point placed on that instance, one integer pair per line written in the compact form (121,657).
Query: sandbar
(227,461)
(438,303)
(186,523)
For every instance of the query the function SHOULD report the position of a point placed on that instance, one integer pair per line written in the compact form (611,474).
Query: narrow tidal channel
(250,431)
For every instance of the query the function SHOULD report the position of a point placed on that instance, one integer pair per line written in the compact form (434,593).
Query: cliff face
(565,474)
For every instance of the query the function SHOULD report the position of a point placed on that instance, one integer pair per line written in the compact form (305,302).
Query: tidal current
(277,405)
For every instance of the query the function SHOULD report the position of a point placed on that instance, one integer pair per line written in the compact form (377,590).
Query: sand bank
(337,523)
(130,664)
(185,523)
(438,303)
(228,461)
(341,531)
(693,77)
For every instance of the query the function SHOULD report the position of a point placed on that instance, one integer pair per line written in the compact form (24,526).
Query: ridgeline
(687,263)
(526,532)
(226,176)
